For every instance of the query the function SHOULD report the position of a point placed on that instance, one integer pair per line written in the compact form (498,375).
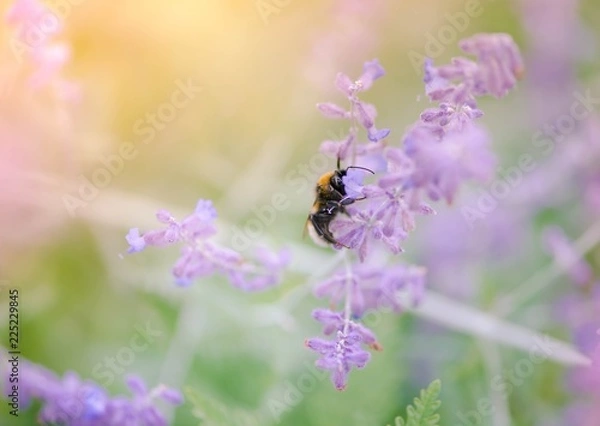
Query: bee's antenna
(338,163)
(358,167)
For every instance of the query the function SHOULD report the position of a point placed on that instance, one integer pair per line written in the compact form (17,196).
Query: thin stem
(354,126)
(493,363)
(348,302)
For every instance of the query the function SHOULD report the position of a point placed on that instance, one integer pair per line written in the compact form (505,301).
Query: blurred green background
(236,141)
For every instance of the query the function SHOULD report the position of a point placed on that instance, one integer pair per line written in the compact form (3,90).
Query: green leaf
(423,410)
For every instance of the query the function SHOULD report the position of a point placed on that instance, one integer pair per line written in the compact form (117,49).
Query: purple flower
(373,287)
(353,182)
(338,149)
(456,85)
(451,116)
(582,414)
(385,217)
(46,56)
(499,63)
(400,168)
(71,401)
(555,38)
(372,70)
(360,230)
(331,110)
(443,163)
(201,257)
(360,112)
(346,350)
(140,409)
(136,242)
(441,151)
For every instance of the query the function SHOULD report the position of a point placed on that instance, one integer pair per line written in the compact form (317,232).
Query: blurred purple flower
(372,70)
(585,381)
(71,401)
(333,111)
(36,27)
(556,39)
(338,149)
(201,257)
(374,287)
(400,168)
(499,63)
(582,414)
(456,85)
(347,38)
(27,15)
(443,163)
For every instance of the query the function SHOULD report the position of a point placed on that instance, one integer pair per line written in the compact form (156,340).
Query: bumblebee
(331,199)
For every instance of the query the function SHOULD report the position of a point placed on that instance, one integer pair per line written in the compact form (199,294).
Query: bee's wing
(316,232)
(305,229)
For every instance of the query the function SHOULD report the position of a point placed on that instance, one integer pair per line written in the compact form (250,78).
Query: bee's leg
(332,207)
(321,222)
(347,201)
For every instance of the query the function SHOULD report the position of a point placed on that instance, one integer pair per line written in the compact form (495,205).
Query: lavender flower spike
(499,62)
(71,401)
(345,352)
(360,112)
(202,257)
